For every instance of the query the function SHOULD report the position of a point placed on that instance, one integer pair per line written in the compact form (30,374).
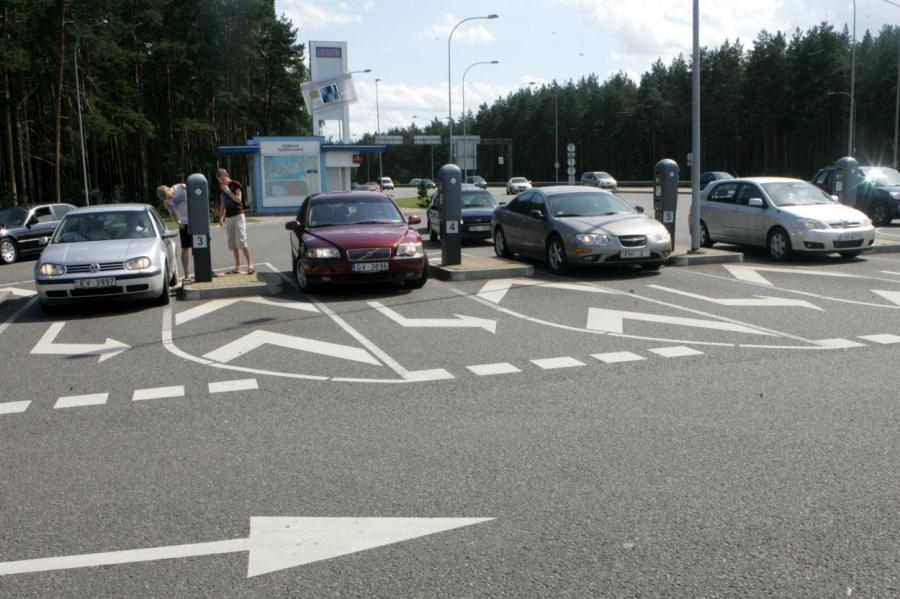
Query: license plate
(480,228)
(369,266)
(93,283)
(634,254)
(849,236)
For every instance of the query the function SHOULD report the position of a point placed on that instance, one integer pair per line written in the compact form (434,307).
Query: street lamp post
(450,80)
(466,72)
(378,129)
(695,137)
(850,143)
(897,100)
(850,97)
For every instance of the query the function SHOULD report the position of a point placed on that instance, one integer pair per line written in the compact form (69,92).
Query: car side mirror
(413,219)
(292,225)
(537,214)
(501,203)
(169,233)
(835,198)
(640,209)
(755,203)
(43,241)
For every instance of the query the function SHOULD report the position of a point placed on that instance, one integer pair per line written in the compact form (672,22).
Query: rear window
(478,199)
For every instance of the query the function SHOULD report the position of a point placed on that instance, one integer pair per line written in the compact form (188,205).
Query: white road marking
(258,338)
(889,272)
(77,401)
(158,393)
(461,321)
(619,356)
(14,407)
(214,305)
(750,273)
(495,290)
(612,321)
(235,385)
(757,301)
(838,343)
(554,363)
(106,350)
(675,352)
(891,296)
(21,292)
(491,369)
(885,339)
(30,281)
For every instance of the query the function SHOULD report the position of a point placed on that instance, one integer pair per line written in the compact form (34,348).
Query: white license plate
(480,228)
(93,283)
(369,266)
(849,236)
(634,254)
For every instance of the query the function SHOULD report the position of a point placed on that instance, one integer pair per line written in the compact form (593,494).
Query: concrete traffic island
(682,256)
(481,267)
(228,286)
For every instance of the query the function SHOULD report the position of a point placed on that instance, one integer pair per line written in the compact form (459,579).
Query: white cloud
(368,6)
(468,32)
(308,14)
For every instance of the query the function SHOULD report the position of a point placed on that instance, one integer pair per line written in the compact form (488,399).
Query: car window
(437,201)
(104,226)
(723,193)
(478,199)
(587,176)
(154,216)
(536,202)
(43,214)
(796,193)
(884,177)
(60,210)
(343,210)
(13,217)
(522,203)
(746,192)
(820,178)
(598,203)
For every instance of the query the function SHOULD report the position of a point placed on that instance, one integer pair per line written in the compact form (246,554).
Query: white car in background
(386,183)
(600,179)
(517,185)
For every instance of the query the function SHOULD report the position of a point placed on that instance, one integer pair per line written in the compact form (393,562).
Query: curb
(885,248)
(267,284)
(451,274)
(716,257)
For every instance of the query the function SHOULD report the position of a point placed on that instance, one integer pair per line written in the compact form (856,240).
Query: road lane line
(554,363)
(885,339)
(158,393)
(78,401)
(839,343)
(492,369)
(14,407)
(235,385)
(618,356)
(678,351)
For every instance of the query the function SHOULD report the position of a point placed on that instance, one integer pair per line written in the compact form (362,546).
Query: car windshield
(478,199)
(104,226)
(327,212)
(588,204)
(603,175)
(13,217)
(882,177)
(517,180)
(796,193)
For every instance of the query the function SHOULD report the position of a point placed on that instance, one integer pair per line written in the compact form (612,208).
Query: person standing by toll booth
(175,200)
(231,217)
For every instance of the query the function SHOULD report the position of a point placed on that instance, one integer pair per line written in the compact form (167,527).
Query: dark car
(477,181)
(343,237)
(477,208)
(710,176)
(429,184)
(878,194)
(22,228)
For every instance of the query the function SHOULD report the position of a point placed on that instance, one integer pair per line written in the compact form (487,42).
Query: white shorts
(236,229)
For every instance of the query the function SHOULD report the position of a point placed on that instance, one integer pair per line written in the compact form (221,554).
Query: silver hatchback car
(782,215)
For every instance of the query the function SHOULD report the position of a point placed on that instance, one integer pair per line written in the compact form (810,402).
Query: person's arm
(221,211)
(171,210)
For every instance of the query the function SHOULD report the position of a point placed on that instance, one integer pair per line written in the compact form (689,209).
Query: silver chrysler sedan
(568,225)
(782,215)
(112,251)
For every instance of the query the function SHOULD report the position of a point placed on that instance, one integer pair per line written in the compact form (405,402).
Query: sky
(404,42)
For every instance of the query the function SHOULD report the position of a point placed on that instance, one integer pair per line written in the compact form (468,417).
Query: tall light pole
(897,100)
(450,79)
(849,97)
(850,143)
(432,150)
(695,137)
(378,129)
(466,72)
(87,197)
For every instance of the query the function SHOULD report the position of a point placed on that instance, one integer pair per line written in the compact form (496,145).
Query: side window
(60,210)
(43,214)
(537,203)
(159,224)
(820,178)
(302,209)
(746,192)
(724,193)
(522,203)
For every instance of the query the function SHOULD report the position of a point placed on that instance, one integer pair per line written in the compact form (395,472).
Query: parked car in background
(477,208)
(517,185)
(372,186)
(600,179)
(341,237)
(23,226)
(782,215)
(568,226)
(113,251)
(476,180)
(429,184)
(386,183)
(710,176)
(878,195)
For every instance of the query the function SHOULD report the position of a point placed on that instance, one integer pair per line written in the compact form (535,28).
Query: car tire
(500,247)
(435,234)
(164,298)
(420,282)
(881,215)
(779,244)
(305,284)
(9,251)
(705,240)
(849,255)
(556,255)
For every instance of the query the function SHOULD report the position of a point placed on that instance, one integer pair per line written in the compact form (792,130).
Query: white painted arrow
(20,292)
(891,296)
(495,290)
(461,321)
(751,274)
(46,346)
(612,321)
(214,305)
(257,339)
(756,301)
(273,544)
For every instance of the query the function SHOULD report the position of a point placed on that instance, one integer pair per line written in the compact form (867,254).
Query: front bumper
(127,284)
(340,271)
(827,241)
(576,253)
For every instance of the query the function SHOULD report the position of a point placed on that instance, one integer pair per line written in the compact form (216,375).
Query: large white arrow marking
(460,321)
(212,306)
(891,296)
(612,321)
(495,290)
(273,544)
(759,300)
(751,274)
(20,292)
(256,339)
(110,349)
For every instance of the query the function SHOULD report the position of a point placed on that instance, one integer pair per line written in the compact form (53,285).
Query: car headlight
(410,250)
(866,221)
(661,236)
(895,195)
(52,270)
(592,239)
(137,263)
(323,253)
(811,224)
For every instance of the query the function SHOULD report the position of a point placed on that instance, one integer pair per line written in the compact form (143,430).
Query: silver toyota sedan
(112,251)
(782,215)
(569,225)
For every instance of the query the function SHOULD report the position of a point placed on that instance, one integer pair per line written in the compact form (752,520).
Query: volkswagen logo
(94,267)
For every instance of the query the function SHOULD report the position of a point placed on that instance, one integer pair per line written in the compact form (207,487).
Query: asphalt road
(712,431)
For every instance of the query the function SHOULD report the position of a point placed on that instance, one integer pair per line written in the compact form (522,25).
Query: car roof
(110,208)
(39,205)
(349,195)
(762,180)
(558,189)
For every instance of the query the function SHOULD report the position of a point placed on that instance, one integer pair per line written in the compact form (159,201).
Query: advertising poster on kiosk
(290,171)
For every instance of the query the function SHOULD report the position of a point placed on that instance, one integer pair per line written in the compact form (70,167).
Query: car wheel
(9,252)
(881,215)
(304,282)
(779,244)
(420,282)
(556,255)
(435,234)
(705,240)
(849,255)
(500,247)
(164,298)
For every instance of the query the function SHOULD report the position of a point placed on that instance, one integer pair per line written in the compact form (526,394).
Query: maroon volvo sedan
(341,237)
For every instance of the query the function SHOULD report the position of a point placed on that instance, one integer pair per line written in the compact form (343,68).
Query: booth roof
(358,148)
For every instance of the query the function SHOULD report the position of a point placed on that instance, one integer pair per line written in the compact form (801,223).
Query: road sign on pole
(570,152)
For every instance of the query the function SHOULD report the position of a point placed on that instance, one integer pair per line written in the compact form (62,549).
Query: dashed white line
(491,369)
(14,407)
(618,356)
(77,401)
(158,393)
(554,363)
(884,339)
(235,385)
(838,343)
(677,351)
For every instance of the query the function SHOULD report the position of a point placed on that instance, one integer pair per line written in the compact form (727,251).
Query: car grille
(361,254)
(477,219)
(854,243)
(78,268)
(844,224)
(633,241)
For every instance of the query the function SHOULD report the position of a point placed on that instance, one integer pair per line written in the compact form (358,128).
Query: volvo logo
(94,267)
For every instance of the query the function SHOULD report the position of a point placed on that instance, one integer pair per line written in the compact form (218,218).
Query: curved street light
(466,72)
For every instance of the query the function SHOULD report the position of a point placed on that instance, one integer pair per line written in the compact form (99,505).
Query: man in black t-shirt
(231,216)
